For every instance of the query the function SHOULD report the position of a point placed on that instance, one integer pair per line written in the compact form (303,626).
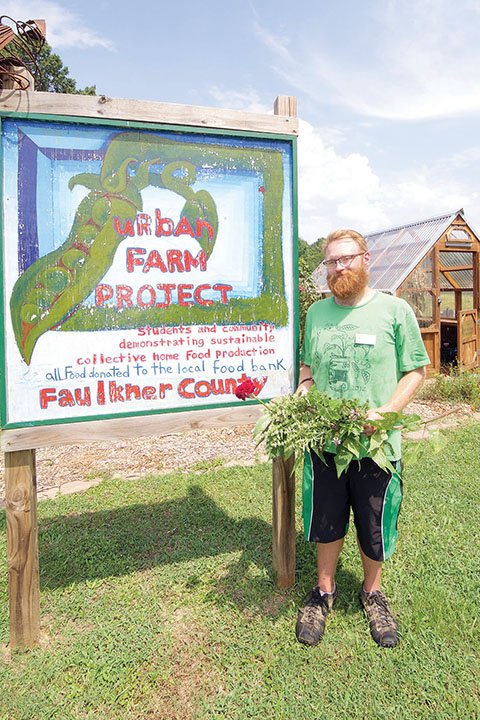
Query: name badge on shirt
(363,339)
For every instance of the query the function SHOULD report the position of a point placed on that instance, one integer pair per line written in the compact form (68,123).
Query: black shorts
(375,496)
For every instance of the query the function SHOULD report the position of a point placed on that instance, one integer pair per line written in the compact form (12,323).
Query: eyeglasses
(343,261)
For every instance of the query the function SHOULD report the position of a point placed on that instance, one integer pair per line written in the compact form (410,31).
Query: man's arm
(305,380)
(407,387)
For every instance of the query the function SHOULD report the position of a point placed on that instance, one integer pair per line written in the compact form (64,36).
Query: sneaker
(311,618)
(383,626)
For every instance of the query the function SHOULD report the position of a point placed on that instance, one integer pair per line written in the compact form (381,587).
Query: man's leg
(312,617)
(327,559)
(376,503)
(325,513)
(383,626)
(372,571)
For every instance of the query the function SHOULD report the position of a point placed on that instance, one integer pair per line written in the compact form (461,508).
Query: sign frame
(224,130)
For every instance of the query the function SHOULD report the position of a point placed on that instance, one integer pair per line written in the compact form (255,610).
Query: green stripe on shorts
(307,494)
(391,509)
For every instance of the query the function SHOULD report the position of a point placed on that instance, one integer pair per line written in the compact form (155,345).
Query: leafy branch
(295,424)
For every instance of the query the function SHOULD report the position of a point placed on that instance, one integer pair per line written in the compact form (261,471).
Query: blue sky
(388,91)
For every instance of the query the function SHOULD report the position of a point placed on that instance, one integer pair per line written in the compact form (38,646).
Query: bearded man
(362,344)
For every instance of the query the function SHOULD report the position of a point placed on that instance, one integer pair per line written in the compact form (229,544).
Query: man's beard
(349,284)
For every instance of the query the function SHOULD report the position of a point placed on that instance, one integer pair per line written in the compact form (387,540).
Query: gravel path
(71,468)
(76,467)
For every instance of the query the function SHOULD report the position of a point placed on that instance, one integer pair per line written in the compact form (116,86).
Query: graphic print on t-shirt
(348,362)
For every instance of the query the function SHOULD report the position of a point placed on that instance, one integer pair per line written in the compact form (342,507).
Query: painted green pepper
(52,287)
(199,205)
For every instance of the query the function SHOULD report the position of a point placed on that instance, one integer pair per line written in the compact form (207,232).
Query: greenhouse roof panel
(462,279)
(396,252)
(453,259)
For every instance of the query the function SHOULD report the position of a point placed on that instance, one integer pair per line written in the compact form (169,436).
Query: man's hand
(371,415)
(305,381)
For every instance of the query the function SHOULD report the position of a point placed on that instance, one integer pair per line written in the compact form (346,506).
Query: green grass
(158,603)
(454,387)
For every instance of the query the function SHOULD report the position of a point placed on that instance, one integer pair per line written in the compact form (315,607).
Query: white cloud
(334,190)
(467,158)
(247,100)
(338,190)
(420,62)
(64,27)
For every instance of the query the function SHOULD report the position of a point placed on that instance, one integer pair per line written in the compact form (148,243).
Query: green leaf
(342,460)
(377,440)
(437,440)
(413,451)
(320,454)
(389,420)
(298,424)
(380,458)
(388,447)
(411,422)
(261,425)
(353,445)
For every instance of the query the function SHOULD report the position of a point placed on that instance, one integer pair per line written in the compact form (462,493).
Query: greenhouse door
(431,340)
(467,339)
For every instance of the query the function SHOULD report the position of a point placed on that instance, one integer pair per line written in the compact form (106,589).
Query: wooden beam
(476,294)
(450,268)
(22,548)
(142,111)
(452,282)
(436,292)
(283,521)
(118,428)
(458,302)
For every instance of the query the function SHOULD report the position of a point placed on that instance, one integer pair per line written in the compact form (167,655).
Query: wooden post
(285,105)
(458,302)
(24,79)
(22,548)
(283,521)
(21,510)
(283,478)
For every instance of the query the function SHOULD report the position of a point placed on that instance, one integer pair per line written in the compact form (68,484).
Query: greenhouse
(434,265)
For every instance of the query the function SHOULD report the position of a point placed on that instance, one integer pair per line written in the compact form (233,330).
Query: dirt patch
(193,676)
(442,415)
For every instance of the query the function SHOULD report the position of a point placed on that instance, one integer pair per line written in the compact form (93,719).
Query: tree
(307,292)
(311,254)
(49,72)
(53,75)
(309,258)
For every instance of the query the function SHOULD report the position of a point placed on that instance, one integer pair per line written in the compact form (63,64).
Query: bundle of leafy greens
(296,424)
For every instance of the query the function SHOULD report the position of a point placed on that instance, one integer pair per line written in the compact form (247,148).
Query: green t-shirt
(361,352)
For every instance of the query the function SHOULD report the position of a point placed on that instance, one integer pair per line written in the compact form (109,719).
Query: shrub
(308,293)
(455,386)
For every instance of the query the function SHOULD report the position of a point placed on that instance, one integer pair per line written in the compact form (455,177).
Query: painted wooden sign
(144,270)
